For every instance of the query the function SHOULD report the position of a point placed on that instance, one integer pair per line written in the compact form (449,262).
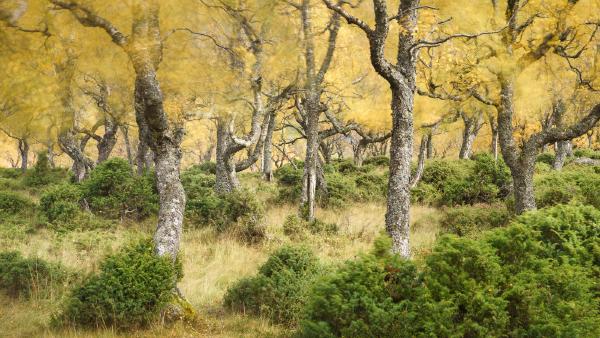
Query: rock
(586,161)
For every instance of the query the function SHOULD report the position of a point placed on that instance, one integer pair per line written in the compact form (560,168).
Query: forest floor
(211,263)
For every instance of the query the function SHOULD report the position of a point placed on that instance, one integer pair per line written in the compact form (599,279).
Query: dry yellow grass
(212,263)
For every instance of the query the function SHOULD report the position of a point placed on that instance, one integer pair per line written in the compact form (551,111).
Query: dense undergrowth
(490,273)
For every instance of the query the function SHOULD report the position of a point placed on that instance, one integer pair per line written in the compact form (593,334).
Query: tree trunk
(429,145)
(397,218)
(226,178)
(495,143)
(125,131)
(171,200)
(109,139)
(472,125)
(359,153)
(309,180)
(267,158)
(562,150)
(520,162)
(82,165)
(326,151)
(50,153)
(420,162)
(23,146)
(523,182)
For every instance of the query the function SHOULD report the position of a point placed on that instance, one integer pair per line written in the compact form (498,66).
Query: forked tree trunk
(82,165)
(472,125)
(23,146)
(127,141)
(107,142)
(359,153)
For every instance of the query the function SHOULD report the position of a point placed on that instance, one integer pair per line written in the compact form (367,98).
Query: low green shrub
(207,167)
(534,278)
(547,158)
(61,202)
(114,191)
(424,193)
(294,226)
(341,188)
(280,288)
(345,183)
(574,184)
(239,212)
(26,277)
(587,152)
(42,174)
(345,166)
(131,289)
(377,161)
(371,186)
(10,184)
(10,173)
(473,219)
(12,203)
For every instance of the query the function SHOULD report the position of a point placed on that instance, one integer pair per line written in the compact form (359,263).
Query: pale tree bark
(561,147)
(494,131)
(562,150)
(100,93)
(429,145)
(472,125)
(590,139)
(251,38)
(401,77)
(362,140)
(107,142)
(51,154)
(310,106)
(82,164)
(416,177)
(125,131)
(23,146)
(521,160)
(267,156)
(144,48)
(431,129)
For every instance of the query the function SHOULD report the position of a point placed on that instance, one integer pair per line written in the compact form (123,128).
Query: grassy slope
(211,264)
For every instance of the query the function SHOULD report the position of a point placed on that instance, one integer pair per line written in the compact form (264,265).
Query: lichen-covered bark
(472,125)
(23,146)
(429,145)
(226,179)
(82,165)
(311,105)
(401,77)
(267,155)
(127,141)
(562,150)
(416,177)
(107,142)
